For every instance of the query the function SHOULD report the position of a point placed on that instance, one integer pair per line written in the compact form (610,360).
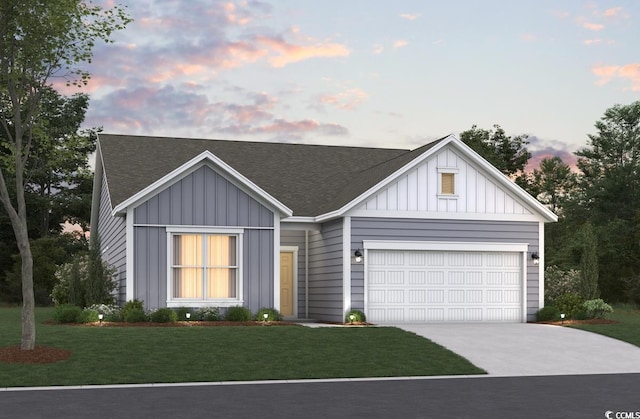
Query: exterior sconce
(536,258)
(358,255)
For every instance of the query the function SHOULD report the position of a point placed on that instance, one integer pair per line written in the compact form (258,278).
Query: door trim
(294,250)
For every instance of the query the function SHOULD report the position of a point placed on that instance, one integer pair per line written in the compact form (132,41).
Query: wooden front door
(286,283)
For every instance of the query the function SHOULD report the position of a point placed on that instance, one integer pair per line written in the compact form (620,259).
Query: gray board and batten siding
(112,232)
(204,198)
(446,231)
(326,272)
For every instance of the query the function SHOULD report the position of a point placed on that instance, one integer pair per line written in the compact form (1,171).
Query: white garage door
(437,286)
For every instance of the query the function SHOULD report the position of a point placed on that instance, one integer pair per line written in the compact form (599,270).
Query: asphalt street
(579,396)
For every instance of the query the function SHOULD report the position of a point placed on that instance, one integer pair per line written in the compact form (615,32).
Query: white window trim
(451,170)
(205,302)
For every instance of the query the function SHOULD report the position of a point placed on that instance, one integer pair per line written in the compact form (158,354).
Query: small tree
(588,286)
(38,40)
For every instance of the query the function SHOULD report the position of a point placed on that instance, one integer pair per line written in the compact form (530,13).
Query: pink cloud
(290,53)
(348,99)
(592,41)
(377,49)
(592,26)
(528,37)
(410,16)
(628,72)
(614,11)
(400,43)
(567,157)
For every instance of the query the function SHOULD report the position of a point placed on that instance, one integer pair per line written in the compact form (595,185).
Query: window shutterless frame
(204,267)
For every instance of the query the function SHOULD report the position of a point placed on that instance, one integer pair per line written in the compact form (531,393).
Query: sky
(375,73)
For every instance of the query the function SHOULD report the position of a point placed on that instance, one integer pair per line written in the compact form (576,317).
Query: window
(204,266)
(447,183)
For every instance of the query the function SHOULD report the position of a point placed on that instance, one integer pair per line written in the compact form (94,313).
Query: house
(431,234)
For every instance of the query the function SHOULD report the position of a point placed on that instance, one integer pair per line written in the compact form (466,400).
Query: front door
(286,283)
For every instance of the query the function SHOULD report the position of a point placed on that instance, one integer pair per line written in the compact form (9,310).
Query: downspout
(306,274)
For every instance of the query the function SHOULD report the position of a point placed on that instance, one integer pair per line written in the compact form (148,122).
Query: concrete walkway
(532,349)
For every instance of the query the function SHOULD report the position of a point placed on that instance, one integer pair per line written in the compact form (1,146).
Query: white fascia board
(430,215)
(444,246)
(203,158)
(386,181)
(530,201)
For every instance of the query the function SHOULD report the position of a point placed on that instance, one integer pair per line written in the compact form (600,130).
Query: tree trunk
(28,340)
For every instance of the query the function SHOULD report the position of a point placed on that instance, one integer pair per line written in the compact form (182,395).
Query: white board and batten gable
(480,191)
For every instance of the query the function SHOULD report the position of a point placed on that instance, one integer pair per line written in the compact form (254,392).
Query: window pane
(187,283)
(448,183)
(221,251)
(221,283)
(187,250)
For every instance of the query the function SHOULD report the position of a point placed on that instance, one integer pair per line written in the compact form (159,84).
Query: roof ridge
(160,137)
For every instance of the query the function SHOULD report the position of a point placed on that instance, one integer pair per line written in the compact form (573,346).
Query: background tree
(609,196)
(508,154)
(588,285)
(39,39)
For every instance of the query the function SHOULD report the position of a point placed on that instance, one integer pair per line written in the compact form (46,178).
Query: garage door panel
(473,278)
(417,277)
(417,296)
(455,278)
(395,278)
(475,288)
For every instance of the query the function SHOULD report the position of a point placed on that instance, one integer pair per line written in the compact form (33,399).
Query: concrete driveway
(532,349)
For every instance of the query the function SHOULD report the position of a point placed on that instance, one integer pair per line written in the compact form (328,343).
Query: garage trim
(450,247)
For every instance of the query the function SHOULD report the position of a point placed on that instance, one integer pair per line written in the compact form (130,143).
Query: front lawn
(627,328)
(119,355)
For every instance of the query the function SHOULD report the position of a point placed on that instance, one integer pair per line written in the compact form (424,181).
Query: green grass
(628,328)
(118,355)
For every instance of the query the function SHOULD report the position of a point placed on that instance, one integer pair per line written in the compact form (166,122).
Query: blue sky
(367,73)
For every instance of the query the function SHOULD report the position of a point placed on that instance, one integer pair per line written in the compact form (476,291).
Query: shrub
(135,315)
(164,315)
(273,315)
(358,317)
(558,282)
(181,313)
(208,314)
(68,313)
(84,282)
(238,314)
(596,309)
(133,312)
(570,304)
(90,315)
(547,314)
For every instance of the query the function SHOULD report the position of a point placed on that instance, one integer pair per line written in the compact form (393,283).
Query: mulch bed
(172,324)
(38,355)
(588,321)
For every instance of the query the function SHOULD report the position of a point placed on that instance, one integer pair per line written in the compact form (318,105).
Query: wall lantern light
(536,258)
(358,255)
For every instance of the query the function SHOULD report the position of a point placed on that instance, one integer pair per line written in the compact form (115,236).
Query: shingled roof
(309,179)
